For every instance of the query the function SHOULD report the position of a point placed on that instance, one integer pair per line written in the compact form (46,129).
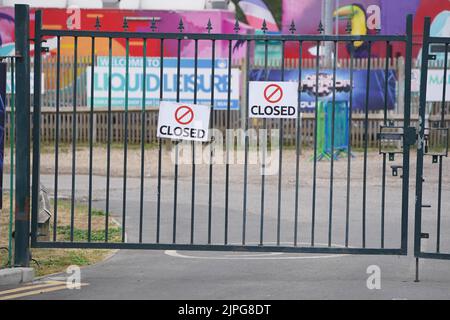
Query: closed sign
(273,99)
(183,121)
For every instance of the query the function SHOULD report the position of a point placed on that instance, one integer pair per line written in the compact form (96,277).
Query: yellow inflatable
(357,18)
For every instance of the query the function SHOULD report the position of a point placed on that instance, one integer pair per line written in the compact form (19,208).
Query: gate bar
(406,127)
(36,125)
(298,146)
(217,36)
(349,150)
(420,142)
(313,213)
(366,145)
(108,134)
(442,125)
(91,141)
(333,117)
(211,147)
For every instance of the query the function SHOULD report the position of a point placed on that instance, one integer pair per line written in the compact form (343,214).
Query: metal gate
(357,204)
(431,222)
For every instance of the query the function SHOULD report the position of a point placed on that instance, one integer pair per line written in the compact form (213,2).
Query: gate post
(22,203)
(409,136)
(420,140)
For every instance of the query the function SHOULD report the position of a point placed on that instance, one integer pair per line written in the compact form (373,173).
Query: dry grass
(48,261)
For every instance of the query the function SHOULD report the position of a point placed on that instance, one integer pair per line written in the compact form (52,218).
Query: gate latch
(424,235)
(410,135)
(395,169)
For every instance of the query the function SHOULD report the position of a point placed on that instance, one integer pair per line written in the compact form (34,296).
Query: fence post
(22,205)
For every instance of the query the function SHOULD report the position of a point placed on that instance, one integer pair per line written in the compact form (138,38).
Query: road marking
(256,256)
(175,254)
(36,289)
(34,286)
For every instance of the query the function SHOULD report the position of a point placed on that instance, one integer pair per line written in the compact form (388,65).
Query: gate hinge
(410,135)
(432,57)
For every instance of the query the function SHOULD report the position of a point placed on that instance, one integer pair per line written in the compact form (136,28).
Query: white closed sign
(183,121)
(273,99)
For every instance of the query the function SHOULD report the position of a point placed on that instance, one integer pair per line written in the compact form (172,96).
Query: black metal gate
(354,205)
(431,220)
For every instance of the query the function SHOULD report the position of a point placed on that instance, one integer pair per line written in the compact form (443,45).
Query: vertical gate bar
(264,150)
(91,139)
(246,143)
(211,147)
(193,144)
(36,125)
(55,197)
(11,150)
(143,123)
(175,179)
(406,124)
(313,214)
(298,144)
(280,155)
(349,149)
(444,91)
(74,137)
(22,201)
(442,125)
(366,144)
(383,173)
(439,203)
(227,136)
(333,117)
(160,141)
(108,146)
(420,140)
(125,142)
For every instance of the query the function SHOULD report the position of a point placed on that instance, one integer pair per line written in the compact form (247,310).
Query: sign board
(308,91)
(8,83)
(183,121)
(153,82)
(270,99)
(435,84)
(274,49)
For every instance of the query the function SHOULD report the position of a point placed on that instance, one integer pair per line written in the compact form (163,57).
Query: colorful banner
(365,17)
(166,21)
(324,92)
(169,82)
(435,84)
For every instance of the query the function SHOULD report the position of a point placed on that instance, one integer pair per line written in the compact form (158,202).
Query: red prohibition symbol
(184,115)
(273,93)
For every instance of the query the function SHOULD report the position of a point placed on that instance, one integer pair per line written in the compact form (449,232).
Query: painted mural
(364,16)
(367,17)
(138,21)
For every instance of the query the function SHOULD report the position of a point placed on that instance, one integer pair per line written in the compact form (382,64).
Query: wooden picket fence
(135,118)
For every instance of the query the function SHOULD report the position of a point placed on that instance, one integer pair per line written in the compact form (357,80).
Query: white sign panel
(183,121)
(8,83)
(153,82)
(271,99)
(435,84)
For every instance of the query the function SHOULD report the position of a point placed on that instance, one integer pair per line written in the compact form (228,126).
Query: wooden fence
(100,127)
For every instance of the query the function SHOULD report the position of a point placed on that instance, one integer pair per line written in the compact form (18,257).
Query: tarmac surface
(170,274)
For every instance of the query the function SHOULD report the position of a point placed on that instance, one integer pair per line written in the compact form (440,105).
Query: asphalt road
(142,274)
